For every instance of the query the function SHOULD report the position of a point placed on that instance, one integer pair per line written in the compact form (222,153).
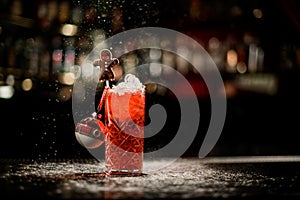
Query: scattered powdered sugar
(131,84)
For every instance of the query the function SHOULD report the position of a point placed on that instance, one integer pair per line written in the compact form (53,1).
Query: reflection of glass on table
(124,144)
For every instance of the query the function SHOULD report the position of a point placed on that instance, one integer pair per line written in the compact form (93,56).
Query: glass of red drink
(124,138)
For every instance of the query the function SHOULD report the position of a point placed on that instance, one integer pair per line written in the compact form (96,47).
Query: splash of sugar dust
(131,84)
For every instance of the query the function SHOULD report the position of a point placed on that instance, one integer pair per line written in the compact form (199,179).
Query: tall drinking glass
(124,142)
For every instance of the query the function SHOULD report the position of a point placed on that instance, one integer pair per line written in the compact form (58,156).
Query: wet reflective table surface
(186,178)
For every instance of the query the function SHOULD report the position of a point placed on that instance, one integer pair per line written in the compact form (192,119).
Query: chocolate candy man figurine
(106,62)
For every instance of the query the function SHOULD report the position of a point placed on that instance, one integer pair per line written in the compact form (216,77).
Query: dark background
(39,123)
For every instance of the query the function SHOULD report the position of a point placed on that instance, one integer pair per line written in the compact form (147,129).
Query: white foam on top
(131,84)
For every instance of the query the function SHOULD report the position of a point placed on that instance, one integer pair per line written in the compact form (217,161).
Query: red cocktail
(124,139)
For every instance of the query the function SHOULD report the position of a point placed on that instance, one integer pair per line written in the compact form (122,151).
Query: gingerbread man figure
(106,62)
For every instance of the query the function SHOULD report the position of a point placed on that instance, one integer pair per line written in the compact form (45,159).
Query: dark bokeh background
(262,103)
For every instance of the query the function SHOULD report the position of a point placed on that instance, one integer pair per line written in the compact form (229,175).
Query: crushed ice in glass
(131,84)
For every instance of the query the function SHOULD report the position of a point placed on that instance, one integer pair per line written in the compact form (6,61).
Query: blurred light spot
(67,78)
(1,79)
(130,62)
(260,59)
(236,11)
(155,54)
(182,65)
(64,11)
(257,13)
(87,70)
(161,90)
(57,56)
(255,58)
(52,10)
(76,15)
(151,88)
(260,83)
(65,93)
(21,21)
(195,6)
(10,80)
(69,59)
(232,58)
(248,38)
(168,59)
(165,44)
(81,57)
(76,70)
(184,52)
(17,8)
(182,59)
(155,69)
(27,84)
(42,10)
(6,91)
(98,36)
(213,43)
(241,67)
(69,30)
(230,89)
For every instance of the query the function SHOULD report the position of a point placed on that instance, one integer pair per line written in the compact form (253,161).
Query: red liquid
(124,144)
